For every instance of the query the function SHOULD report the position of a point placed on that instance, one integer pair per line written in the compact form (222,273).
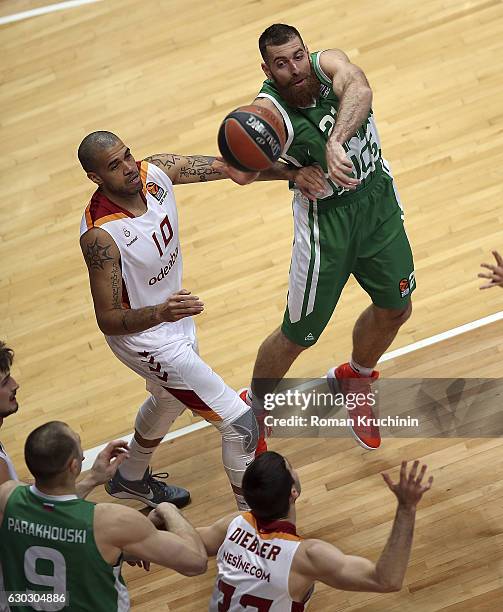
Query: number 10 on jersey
(166,233)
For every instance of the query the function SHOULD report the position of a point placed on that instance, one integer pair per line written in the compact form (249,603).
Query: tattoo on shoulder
(198,165)
(96,255)
(164,161)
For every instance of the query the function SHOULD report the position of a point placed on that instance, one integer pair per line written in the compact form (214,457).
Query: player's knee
(393,317)
(405,313)
(152,421)
(287,346)
(246,429)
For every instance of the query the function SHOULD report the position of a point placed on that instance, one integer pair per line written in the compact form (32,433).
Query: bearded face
(300,93)
(288,65)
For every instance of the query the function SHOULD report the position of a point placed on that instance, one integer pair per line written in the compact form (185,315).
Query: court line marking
(91,454)
(43,10)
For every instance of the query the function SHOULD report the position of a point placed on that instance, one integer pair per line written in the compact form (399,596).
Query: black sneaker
(148,490)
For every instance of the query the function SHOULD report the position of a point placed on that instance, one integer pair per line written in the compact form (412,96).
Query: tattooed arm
(187,169)
(197,168)
(102,257)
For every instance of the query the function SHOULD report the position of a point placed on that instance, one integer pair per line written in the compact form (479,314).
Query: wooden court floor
(162,74)
(456,562)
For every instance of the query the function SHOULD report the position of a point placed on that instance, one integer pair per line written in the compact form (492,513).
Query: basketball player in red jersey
(262,562)
(130,242)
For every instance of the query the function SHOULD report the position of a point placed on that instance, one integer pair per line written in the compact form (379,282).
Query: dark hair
(6,357)
(267,486)
(277,34)
(48,449)
(93,141)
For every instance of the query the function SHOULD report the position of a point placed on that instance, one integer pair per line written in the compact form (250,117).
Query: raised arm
(350,85)
(102,257)
(104,467)
(325,562)
(187,168)
(183,169)
(310,180)
(199,169)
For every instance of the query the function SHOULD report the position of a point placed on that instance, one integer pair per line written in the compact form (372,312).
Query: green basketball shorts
(362,235)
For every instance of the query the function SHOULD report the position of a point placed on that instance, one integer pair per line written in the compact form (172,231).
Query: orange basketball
(251,138)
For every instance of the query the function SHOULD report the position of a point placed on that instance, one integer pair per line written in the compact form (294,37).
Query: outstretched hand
(108,460)
(161,515)
(238,176)
(311,182)
(180,305)
(495,276)
(409,489)
(340,168)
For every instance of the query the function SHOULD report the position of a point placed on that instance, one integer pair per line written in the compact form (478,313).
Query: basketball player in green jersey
(354,226)
(65,552)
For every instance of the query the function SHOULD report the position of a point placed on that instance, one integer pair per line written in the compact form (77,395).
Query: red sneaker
(345,380)
(243,394)
(261,444)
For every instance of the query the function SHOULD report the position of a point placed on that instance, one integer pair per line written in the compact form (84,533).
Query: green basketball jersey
(308,130)
(47,547)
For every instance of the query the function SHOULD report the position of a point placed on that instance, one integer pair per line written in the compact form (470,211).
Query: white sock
(135,465)
(366,372)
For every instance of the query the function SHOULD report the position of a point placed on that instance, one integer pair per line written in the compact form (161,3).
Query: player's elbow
(197,567)
(390,587)
(106,324)
(366,93)
(386,584)
(102,324)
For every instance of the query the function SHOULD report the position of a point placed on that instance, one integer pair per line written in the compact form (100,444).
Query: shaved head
(92,143)
(48,449)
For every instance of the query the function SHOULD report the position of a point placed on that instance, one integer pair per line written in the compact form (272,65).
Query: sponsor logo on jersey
(404,287)
(156,190)
(132,241)
(165,271)
(242,564)
(309,337)
(127,233)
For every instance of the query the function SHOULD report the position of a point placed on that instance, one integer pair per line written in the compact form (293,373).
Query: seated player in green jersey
(67,552)
(353,226)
